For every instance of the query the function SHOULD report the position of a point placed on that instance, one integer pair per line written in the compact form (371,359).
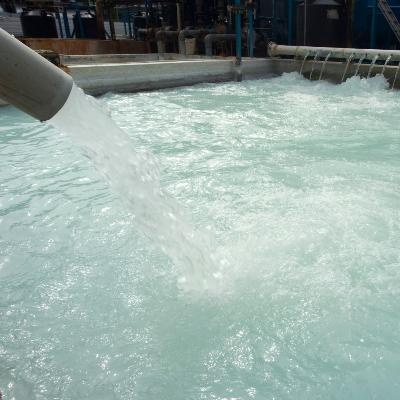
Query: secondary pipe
(178,16)
(183,34)
(162,36)
(214,37)
(238,31)
(30,82)
(250,30)
(275,50)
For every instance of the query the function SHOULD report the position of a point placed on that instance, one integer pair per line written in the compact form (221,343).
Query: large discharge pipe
(30,82)
(275,50)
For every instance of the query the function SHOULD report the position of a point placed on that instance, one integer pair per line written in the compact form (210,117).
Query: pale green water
(297,183)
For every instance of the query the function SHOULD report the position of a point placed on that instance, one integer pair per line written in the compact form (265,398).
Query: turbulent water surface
(295,188)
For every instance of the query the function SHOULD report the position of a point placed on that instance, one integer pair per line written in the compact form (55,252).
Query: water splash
(313,64)
(347,66)
(323,66)
(385,64)
(304,60)
(360,61)
(372,65)
(134,175)
(309,207)
(395,76)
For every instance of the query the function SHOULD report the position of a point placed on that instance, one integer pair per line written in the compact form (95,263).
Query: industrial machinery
(183,25)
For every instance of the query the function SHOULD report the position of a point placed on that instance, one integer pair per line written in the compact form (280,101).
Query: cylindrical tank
(321,23)
(38,24)
(89,26)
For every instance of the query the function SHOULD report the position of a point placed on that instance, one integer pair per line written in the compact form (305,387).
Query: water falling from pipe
(323,65)
(360,61)
(395,75)
(386,63)
(372,66)
(134,175)
(313,64)
(304,60)
(347,66)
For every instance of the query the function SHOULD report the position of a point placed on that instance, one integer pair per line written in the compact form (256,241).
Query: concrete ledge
(132,77)
(99,74)
(97,79)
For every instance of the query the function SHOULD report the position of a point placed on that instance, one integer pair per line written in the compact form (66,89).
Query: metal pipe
(183,34)
(305,23)
(214,37)
(178,16)
(290,21)
(66,24)
(373,24)
(250,31)
(161,38)
(238,30)
(275,50)
(29,81)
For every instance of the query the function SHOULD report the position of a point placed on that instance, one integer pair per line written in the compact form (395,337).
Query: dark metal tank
(89,25)
(38,24)
(321,23)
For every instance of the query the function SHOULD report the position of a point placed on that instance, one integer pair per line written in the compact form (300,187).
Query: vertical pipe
(349,25)
(238,29)
(129,24)
(66,23)
(273,21)
(59,24)
(290,22)
(125,18)
(80,24)
(373,24)
(100,20)
(146,4)
(111,22)
(250,31)
(178,16)
(305,24)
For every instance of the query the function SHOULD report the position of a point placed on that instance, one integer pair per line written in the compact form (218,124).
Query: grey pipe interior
(30,82)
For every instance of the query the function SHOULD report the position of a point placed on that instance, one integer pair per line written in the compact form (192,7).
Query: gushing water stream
(395,76)
(302,64)
(360,61)
(372,66)
(134,176)
(323,66)
(347,66)
(313,64)
(386,63)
